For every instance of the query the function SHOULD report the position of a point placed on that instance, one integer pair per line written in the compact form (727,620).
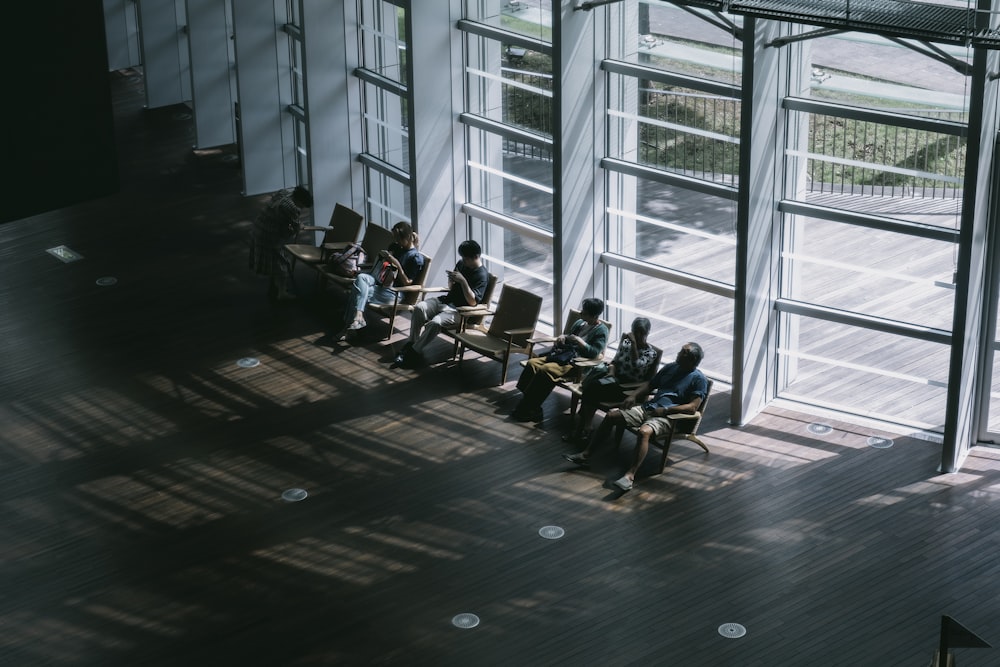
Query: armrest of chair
(315,228)
(588,362)
(542,339)
(465,312)
(510,333)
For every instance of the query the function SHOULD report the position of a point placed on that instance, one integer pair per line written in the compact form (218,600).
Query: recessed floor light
(551,532)
(879,442)
(107,281)
(294,495)
(465,621)
(248,362)
(732,630)
(819,429)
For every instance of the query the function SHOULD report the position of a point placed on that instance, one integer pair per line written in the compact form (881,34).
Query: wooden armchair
(406,296)
(510,327)
(376,238)
(575,387)
(580,364)
(343,229)
(680,425)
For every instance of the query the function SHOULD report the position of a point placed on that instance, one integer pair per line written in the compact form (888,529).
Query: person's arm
(459,279)
(638,395)
(688,408)
(412,267)
(594,344)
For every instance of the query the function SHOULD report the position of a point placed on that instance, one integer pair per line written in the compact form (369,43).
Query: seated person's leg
(446,316)
(361,290)
(528,374)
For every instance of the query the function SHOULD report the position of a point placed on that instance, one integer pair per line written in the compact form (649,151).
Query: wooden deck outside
(143,469)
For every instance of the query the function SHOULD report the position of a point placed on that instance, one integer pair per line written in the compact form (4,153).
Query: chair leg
(392,320)
(619,432)
(668,438)
(574,404)
(695,439)
(503,369)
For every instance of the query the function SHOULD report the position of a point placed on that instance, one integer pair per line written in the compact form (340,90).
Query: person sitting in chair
(679,387)
(406,262)
(634,361)
(466,286)
(587,338)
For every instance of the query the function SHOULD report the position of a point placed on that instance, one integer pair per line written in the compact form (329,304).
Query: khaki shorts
(636,417)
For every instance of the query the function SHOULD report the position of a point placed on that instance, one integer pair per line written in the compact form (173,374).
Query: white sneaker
(625,484)
(357,324)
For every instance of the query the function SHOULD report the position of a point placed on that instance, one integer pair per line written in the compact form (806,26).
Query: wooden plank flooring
(142,473)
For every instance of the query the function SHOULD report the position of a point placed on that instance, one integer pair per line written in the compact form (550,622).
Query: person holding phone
(466,286)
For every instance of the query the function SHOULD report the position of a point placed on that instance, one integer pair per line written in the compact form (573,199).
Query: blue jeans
(365,291)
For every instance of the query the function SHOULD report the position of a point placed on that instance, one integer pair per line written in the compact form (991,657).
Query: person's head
(470,251)
(591,309)
(403,234)
(690,356)
(640,329)
(302,197)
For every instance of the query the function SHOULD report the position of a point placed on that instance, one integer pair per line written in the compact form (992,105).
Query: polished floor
(143,470)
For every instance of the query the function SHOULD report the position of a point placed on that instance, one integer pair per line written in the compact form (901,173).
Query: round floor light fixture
(294,495)
(465,621)
(551,532)
(819,429)
(248,362)
(732,630)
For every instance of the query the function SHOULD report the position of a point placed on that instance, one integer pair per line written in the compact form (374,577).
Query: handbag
(384,273)
(599,374)
(347,262)
(560,355)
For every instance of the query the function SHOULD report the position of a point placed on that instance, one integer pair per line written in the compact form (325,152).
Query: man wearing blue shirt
(678,388)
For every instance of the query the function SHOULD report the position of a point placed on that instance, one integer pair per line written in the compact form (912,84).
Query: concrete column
(121,30)
(164,52)
(265,129)
(437,168)
(330,37)
(966,375)
(213,88)
(579,192)
(757,252)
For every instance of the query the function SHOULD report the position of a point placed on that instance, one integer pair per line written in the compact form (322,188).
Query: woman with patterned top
(634,362)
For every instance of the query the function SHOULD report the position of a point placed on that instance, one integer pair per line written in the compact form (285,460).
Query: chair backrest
(376,238)
(704,401)
(345,223)
(491,285)
(517,309)
(413,297)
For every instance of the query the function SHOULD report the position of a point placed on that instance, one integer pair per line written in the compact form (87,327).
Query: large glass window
(385,100)
(672,169)
(509,167)
(874,171)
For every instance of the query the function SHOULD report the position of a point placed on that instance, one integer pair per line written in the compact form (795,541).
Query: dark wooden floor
(142,471)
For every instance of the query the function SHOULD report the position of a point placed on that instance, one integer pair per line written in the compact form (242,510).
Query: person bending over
(679,388)
(406,262)
(587,338)
(276,225)
(634,362)
(466,286)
